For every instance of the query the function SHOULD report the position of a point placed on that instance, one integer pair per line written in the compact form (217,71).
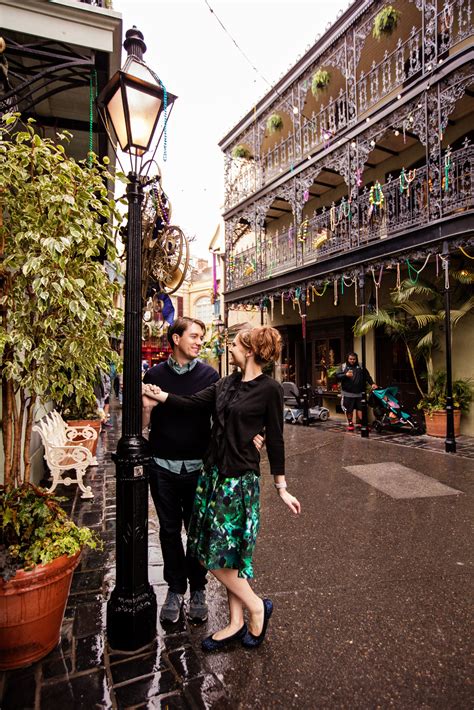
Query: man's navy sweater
(175,434)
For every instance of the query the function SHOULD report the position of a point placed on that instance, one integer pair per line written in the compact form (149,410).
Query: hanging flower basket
(274,123)
(240,151)
(320,81)
(385,22)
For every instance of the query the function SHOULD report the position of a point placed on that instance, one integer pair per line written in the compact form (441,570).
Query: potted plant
(240,151)
(57,315)
(433,404)
(39,550)
(320,82)
(385,22)
(274,123)
(415,317)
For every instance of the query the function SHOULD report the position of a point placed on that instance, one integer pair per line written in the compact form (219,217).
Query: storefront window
(204,310)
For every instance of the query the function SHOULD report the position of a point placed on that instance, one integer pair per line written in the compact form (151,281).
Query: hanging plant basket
(274,123)
(240,151)
(385,22)
(320,81)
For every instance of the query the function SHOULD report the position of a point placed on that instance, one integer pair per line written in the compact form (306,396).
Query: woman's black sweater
(240,410)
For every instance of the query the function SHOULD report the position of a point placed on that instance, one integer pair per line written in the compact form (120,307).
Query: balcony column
(450,441)
(364,429)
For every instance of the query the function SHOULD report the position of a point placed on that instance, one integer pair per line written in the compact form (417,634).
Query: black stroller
(389,413)
(293,412)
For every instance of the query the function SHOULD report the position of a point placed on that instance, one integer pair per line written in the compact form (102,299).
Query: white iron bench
(64,450)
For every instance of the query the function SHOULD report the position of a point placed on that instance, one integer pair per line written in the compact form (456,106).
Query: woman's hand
(258,442)
(153,393)
(293,503)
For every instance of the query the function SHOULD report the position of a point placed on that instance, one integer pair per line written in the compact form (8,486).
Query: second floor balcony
(380,212)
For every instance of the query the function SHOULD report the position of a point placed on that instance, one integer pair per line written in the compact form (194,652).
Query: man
(352,379)
(178,442)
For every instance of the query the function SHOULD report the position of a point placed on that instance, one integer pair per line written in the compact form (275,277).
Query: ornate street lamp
(130,107)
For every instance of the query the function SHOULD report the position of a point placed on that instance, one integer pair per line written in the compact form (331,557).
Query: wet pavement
(371,587)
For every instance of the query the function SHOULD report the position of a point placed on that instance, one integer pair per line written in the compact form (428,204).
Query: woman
(226,515)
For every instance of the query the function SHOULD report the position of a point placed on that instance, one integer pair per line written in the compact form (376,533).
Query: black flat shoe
(210,644)
(251,641)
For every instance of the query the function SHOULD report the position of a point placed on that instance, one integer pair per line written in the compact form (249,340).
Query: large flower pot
(31,611)
(90,444)
(436,423)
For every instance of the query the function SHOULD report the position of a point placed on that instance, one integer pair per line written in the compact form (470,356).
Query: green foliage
(274,123)
(56,233)
(212,348)
(385,22)
(320,81)
(415,317)
(34,530)
(240,151)
(436,399)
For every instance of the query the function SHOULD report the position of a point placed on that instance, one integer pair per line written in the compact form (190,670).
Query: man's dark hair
(353,355)
(181,324)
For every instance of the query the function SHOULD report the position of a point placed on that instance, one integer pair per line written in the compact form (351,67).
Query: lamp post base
(131,610)
(131,621)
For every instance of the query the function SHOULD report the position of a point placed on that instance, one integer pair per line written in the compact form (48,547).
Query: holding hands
(152,394)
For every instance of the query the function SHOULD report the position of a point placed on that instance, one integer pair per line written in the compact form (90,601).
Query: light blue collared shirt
(173,465)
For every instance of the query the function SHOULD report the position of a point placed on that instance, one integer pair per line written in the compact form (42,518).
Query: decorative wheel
(169,259)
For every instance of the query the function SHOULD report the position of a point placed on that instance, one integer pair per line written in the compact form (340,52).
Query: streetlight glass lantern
(132,103)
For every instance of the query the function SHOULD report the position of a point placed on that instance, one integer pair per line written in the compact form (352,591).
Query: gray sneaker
(171,609)
(197,606)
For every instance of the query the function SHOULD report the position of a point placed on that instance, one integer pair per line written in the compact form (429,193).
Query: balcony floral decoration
(385,22)
(320,82)
(240,151)
(274,123)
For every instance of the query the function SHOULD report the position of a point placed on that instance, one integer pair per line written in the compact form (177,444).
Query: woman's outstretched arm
(204,399)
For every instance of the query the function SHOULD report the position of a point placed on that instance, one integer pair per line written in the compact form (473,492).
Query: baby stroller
(293,406)
(389,413)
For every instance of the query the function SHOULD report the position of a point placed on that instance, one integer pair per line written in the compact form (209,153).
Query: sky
(215,85)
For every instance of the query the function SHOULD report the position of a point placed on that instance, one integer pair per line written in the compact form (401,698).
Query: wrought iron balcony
(351,225)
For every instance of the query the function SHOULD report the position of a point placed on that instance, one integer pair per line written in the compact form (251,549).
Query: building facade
(353,174)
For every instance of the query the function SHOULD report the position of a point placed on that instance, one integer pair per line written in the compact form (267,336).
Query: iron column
(450,441)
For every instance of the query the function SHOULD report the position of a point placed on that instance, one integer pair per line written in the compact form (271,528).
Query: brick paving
(83,672)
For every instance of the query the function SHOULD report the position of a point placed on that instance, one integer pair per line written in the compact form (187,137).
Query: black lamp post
(450,441)
(364,429)
(130,106)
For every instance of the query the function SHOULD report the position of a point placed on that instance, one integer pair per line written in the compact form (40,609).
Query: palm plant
(415,317)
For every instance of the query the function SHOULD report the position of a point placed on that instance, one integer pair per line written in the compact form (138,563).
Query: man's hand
(153,392)
(374,387)
(259,442)
(151,395)
(349,373)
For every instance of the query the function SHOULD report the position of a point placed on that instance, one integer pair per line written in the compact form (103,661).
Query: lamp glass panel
(141,71)
(143,111)
(117,117)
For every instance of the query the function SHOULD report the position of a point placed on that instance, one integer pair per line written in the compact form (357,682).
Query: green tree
(415,317)
(57,300)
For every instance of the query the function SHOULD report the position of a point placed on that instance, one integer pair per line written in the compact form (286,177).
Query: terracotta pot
(436,423)
(31,611)
(88,443)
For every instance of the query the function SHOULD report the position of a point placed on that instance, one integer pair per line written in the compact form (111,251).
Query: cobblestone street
(370,589)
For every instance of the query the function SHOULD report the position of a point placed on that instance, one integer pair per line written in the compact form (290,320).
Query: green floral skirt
(225,521)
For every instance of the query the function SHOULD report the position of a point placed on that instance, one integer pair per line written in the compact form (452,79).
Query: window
(204,310)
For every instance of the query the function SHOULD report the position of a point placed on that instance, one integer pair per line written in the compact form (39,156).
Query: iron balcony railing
(350,225)
(427,44)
